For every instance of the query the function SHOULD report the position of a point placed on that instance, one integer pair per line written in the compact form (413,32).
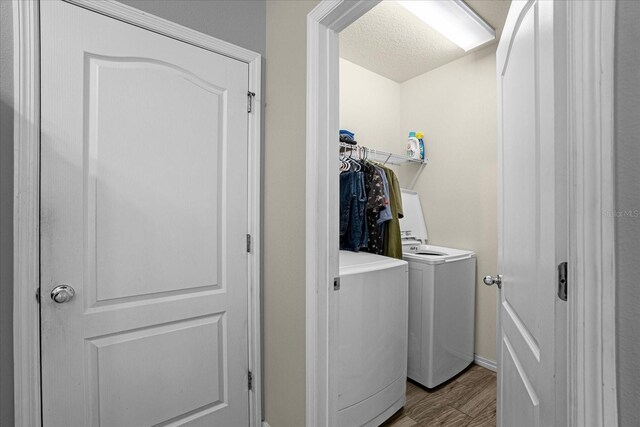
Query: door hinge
(250,97)
(250,380)
(248,243)
(38,295)
(336,283)
(562,281)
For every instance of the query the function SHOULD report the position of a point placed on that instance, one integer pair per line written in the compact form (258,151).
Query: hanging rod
(383,156)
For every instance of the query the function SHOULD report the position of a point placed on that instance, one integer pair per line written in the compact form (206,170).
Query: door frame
(26,308)
(591,306)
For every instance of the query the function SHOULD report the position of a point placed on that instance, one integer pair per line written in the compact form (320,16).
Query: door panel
(521,179)
(528,212)
(516,383)
(200,342)
(144,214)
(134,226)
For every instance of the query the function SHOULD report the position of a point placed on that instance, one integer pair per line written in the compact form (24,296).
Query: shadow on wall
(6,263)
(6,213)
(627,99)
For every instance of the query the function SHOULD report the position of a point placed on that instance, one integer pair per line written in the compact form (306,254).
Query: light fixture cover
(454,20)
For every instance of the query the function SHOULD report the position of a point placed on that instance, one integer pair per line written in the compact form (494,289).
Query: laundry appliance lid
(362,262)
(413,224)
(430,254)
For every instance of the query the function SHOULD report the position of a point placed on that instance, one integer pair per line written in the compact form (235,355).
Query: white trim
(592,377)
(323,24)
(485,363)
(265,424)
(26,321)
(26,213)
(254,227)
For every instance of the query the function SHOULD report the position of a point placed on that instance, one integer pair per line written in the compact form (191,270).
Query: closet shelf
(383,157)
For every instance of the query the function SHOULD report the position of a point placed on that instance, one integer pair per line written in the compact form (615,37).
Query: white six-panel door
(144,214)
(528,216)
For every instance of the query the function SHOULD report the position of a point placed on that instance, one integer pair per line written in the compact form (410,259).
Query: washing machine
(371,338)
(441,301)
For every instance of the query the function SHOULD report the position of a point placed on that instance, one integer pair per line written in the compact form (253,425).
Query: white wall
(284,213)
(455,106)
(370,107)
(627,125)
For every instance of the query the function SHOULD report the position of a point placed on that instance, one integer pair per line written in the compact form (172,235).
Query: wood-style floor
(468,400)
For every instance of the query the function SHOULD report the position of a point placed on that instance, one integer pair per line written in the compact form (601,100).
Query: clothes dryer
(371,329)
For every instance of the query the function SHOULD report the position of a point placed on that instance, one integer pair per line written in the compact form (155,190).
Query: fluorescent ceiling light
(454,20)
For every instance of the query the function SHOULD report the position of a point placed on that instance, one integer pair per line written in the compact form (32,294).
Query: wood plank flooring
(468,400)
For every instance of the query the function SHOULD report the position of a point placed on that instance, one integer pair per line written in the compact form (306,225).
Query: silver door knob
(62,293)
(490,280)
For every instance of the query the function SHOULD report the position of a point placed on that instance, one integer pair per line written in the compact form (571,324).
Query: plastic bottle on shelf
(413,146)
(420,137)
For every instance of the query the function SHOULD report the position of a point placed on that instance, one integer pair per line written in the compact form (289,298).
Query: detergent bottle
(420,137)
(413,146)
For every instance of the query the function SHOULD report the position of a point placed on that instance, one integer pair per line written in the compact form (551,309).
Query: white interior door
(532,233)
(144,215)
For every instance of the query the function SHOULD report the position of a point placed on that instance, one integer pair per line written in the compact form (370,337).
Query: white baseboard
(265,424)
(485,363)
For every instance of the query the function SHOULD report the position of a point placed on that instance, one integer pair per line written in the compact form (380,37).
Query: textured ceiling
(391,41)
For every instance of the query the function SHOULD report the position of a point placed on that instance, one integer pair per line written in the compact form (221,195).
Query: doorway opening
(400,81)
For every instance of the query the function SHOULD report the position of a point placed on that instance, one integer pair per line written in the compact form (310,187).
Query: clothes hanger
(352,163)
(343,164)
